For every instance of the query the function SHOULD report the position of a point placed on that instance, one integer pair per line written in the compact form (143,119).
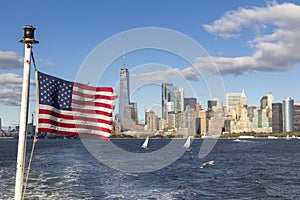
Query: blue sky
(253,43)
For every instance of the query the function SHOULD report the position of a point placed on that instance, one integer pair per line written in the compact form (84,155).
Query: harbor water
(64,169)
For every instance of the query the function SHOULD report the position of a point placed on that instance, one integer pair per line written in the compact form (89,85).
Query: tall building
(151,121)
(191,102)
(270,100)
(297,117)
(134,113)
(167,91)
(232,100)
(288,114)
(179,100)
(277,118)
(263,102)
(211,104)
(243,99)
(124,96)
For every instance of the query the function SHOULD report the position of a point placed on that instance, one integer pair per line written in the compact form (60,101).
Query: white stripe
(76,122)
(77,113)
(85,91)
(108,110)
(86,99)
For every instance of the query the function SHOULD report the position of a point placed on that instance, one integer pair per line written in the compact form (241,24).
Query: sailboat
(145,144)
(187,143)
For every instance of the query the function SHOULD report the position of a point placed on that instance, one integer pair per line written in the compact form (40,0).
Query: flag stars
(55,92)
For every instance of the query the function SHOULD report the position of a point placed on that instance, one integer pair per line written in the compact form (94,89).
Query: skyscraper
(232,100)
(263,102)
(191,102)
(297,117)
(288,114)
(277,118)
(124,96)
(179,100)
(168,91)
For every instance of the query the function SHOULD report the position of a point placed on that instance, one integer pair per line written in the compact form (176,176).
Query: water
(63,169)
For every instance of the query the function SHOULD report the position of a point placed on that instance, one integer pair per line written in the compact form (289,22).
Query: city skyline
(253,44)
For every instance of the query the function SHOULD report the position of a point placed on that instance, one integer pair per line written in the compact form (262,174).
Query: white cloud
(272,52)
(11,89)
(10,60)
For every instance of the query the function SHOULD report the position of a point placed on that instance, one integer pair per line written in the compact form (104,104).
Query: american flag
(72,109)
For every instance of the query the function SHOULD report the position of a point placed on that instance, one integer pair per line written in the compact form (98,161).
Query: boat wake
(206,163)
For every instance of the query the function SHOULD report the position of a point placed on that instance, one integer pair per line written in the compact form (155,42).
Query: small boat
(272,137)
(187,144)
(237,140)
(145,144)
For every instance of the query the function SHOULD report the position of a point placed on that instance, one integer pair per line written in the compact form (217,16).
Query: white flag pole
(28,40)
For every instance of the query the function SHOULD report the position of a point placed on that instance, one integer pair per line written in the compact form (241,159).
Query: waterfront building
(168,92)
(216,125)
(277,121)
(243,124)
(288,114)
(124,94)
(198,125)
(232,100)
(251,110)
(266,103)
(211,104)
(203,122)
(151,121)
(162,124)
(297,117)
(134,111)
(261,122)
(263,102)
(171,120)
(243,101)
(191,115)
(191,102)
(179,100)
(270,100)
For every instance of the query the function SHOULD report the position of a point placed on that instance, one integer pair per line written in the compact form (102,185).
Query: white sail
(187,144)
(145,144)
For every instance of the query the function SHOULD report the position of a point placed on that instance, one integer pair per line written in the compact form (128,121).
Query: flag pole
(28,40)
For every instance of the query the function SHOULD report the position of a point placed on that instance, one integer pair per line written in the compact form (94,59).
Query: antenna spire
(124,58)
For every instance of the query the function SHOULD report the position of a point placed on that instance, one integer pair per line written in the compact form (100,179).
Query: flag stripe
(49,113)
(74,133)
(88,111)
(81,98)
(75,122)
(79,112)
(96,104)
(93,96)
(94,89)
(73,125)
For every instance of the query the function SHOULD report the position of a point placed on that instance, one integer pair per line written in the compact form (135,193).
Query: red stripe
(92,96)
(97,104)
(88,111)
(48,130)
(65,125)
(98,89)
(71,117)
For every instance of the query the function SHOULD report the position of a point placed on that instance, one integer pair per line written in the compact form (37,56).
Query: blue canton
(55,92)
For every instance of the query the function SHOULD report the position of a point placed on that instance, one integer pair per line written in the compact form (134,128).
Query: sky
(251,45)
